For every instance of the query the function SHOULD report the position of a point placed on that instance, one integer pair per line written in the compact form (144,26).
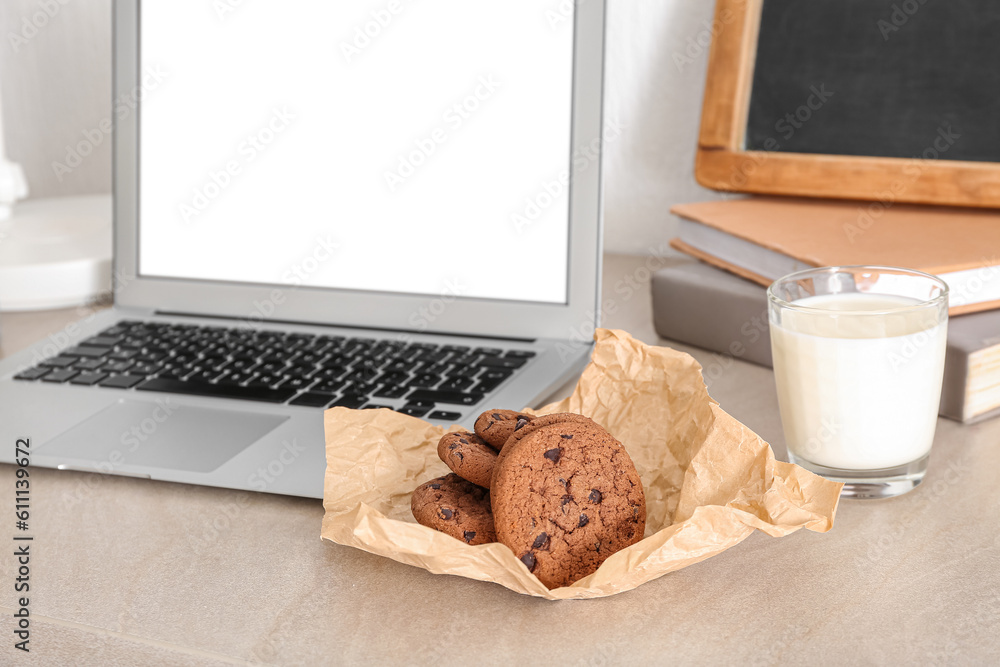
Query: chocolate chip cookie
(496,426)
(456,507)
(469,457)
(566,496)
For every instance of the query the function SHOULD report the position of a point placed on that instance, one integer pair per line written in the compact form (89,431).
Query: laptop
(367,204)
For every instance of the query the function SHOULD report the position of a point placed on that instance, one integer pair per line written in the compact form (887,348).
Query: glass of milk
(859,362)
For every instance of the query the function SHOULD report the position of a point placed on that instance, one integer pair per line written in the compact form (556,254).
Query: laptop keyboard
(299,369)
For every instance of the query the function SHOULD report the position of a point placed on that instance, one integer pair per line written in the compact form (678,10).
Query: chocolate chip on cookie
(538,422)
(496,426)
(468,456)
(456,507)
(566,496)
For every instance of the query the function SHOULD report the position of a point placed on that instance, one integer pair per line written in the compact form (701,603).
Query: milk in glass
(859,391)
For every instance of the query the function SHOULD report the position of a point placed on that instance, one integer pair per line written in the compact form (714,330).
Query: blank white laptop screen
(402,146)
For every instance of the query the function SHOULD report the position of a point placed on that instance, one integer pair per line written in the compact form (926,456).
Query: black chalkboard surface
(881,78)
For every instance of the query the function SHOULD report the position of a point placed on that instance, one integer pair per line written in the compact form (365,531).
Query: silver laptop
(365,204)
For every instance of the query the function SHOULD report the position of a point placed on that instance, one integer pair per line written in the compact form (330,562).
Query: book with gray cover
(697,304)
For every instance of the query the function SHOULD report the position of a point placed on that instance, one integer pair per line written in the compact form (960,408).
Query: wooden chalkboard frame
(723,164)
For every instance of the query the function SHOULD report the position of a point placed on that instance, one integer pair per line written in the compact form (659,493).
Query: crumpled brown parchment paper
(709,480)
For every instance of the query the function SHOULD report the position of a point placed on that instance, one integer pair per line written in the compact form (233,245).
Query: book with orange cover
(765,238)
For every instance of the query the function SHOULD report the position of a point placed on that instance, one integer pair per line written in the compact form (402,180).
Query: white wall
(57,86)
(655,83)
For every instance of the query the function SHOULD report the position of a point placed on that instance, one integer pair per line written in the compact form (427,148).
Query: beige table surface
(134,572)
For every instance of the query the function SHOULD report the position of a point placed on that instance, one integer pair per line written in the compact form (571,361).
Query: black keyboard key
(425,380)
(266,382)
(489,351)
(399,366)
(58,362)
(436,369)
(391,391)
(312,400)
(145,369)
(522,354)
(463,371)
(461,349)
(363,375)
(271,367)
(206,376)
(431,357)
(217,390)
(443,416)
(121,381)
(465,359)
(297,383)
(352,402)
(115,332)
(103,341)
(338,360)
(116,366)
(88,379)
(301,370)
(389,349)
(485,387)
(330,387)
(456,384)
(496,374)
(492,379)
(424,396)
(393,378)
(362,378)
(88,364)
(330,372)
(86,352)
(415,410)
(236,365)
(502,362)
(335,341)
(373,406)
(361,341)
(236,378)
(32,374)
(307,360)
(360,388)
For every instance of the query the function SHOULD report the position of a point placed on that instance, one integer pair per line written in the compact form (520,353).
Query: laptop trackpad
(160,435)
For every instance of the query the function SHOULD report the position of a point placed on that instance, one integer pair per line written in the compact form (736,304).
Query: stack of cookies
(558,490)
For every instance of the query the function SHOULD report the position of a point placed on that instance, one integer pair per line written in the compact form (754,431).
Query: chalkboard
(880,78)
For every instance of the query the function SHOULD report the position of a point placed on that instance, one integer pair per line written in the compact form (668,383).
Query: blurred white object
(56,253)
(13,185)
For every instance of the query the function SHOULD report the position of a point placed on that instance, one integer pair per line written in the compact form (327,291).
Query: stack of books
(719,303)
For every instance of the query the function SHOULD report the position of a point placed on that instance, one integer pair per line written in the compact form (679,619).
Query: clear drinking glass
(859,362)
